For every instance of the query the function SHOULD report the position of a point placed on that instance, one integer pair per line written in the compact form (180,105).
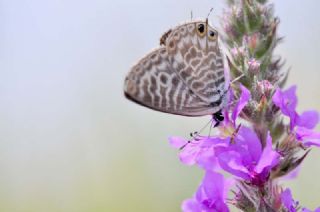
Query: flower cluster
(262,136)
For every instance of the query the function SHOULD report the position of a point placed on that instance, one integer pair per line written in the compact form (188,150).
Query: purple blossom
(287,102)
(211,194)
(246,158)
(288,201)
(302,124)
(199,151)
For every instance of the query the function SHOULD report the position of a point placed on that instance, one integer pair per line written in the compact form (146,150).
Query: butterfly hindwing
(152,82)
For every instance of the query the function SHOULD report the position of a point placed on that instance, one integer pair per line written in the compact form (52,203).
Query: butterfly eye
(201,29)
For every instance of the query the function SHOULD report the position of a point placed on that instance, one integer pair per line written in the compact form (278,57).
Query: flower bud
(237,53)
(265,88)
(253,66)
(252,41)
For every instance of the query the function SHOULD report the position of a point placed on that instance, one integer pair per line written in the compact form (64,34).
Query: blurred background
(70,141)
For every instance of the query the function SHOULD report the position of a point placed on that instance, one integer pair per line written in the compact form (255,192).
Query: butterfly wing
(195,55)
(153,83)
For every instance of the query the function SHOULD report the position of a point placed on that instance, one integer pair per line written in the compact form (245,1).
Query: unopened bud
(254,66)
(265,88)
(238,53)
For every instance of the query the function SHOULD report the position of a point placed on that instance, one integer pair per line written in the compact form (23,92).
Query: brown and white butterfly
(184,76)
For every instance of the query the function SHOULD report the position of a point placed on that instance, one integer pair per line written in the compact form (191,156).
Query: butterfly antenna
(207,23)
(191,15)
(209,14)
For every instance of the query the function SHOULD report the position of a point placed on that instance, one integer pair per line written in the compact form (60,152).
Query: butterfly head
(193,31)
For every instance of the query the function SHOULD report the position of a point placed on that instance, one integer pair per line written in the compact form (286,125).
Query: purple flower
(287,102)
(199,151)
(246,158)
(210,196)
(288,201)
(302,124)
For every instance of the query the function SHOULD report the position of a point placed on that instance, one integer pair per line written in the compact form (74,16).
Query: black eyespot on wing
(212,33)
(201,28)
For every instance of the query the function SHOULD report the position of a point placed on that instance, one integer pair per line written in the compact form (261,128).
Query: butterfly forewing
(153,83)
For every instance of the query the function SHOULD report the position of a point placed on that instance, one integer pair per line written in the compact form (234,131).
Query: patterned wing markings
(197,59)
(154,84)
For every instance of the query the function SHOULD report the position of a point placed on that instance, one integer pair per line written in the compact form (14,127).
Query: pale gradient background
(70,141)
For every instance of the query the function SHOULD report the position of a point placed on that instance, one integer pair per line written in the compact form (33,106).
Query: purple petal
(269,157)
(243,100)
(308,137)
(191,205)
(220,206)
(208,161)
(177,142)
(290,94)
(248,138)
(308,119)
(189,154)
(207,142)
(199,151)
(307,210)
(287,200)
(212,192)
(228,183)
(213,184)
(287,102)
(231,161)
(209,195)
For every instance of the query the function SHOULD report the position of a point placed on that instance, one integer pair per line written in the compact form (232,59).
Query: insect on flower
(184,76)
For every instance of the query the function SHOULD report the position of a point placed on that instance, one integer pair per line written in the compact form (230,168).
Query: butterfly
(184,76)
